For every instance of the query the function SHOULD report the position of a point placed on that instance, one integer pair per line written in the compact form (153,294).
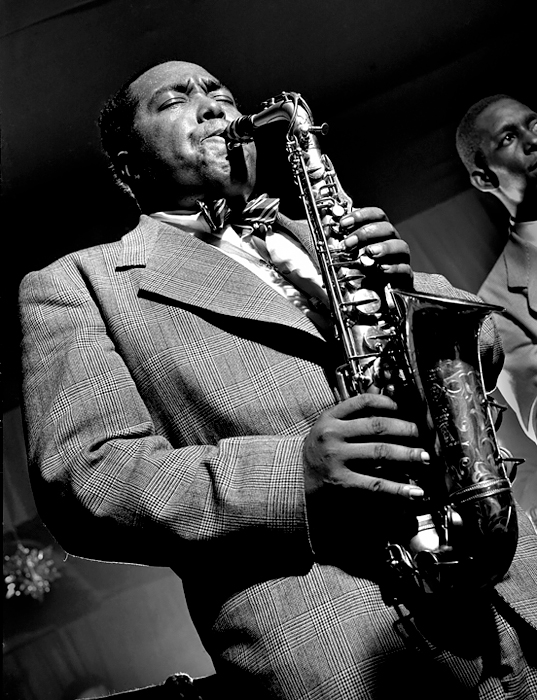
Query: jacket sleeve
(107,485)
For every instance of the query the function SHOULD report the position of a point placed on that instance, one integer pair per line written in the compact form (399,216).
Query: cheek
(160,145)
(512,180)
(250,156)
(170,141)
(512,170)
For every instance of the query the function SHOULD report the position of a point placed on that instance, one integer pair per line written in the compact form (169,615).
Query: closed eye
(170,98)
(223,97)
(175,98)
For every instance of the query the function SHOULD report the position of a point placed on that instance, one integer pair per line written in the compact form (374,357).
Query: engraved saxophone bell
(469,494)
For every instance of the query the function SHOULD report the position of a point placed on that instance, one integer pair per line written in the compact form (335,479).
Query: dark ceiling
(391,77)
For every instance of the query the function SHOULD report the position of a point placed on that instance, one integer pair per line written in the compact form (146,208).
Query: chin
(240,189)
(223,185)
(230,176)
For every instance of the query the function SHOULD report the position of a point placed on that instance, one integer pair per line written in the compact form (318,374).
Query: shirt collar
(527,231)
(191,222)
(520,257)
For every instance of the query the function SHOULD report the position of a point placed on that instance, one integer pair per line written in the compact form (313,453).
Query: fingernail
(374,249)
(425,457)
(415,492)
(346,221)
(351,241)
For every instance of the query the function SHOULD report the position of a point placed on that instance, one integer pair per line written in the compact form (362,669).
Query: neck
(522,206)
(162,201)
(527,209)
(509,204)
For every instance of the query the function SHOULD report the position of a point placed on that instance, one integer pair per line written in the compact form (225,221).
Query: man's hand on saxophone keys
(350,440)
(362,443)
(370,234)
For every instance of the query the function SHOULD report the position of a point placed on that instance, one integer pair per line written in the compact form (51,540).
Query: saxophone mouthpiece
(239,131)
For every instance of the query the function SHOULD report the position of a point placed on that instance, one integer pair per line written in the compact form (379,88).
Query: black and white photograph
(269,370)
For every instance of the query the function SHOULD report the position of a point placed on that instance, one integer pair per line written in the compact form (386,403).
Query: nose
(530,141)
(209,108)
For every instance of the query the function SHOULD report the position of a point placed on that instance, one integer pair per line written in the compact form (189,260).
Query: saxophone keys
(375,339)
(366,300)
(366,262)
(338,211)
(321,130)
(426,539)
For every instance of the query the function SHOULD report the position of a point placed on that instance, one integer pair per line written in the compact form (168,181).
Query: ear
(484,179)
(126,170)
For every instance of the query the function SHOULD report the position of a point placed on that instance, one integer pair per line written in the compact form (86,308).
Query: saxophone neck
(288,107)
(242,129)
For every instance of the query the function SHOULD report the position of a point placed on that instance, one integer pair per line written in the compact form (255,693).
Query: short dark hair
(467,138)
(116,125)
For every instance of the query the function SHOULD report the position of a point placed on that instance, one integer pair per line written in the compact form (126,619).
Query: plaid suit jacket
(167,395)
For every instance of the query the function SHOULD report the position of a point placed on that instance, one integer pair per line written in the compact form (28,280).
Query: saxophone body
(421,350)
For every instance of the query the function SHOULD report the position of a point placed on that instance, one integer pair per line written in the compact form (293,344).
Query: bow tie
(258,214)
(277,248)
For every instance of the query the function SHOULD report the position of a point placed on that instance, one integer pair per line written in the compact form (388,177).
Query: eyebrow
(508,126)
(513,126)
(210,85)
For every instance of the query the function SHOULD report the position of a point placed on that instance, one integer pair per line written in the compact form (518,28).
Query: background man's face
(509,143)
(181,114)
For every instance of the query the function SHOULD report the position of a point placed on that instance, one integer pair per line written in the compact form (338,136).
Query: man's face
(182,111)
(508,132)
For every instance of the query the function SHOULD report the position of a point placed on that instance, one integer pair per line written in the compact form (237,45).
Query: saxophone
(422,350)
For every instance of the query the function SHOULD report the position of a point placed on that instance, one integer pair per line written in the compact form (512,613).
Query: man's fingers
(382,454)
(395,250)
(361,216)
(386,428)
(365,404)
(369,233)
(377,485)
(401,276)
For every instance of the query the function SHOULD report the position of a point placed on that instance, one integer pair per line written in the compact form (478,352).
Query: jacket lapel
(182,268)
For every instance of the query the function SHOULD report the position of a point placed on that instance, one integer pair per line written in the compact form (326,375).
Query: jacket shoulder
(130,249)
(429,283)
(76,259)
(496,277)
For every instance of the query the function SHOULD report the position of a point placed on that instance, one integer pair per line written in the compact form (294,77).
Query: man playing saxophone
(180,411)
